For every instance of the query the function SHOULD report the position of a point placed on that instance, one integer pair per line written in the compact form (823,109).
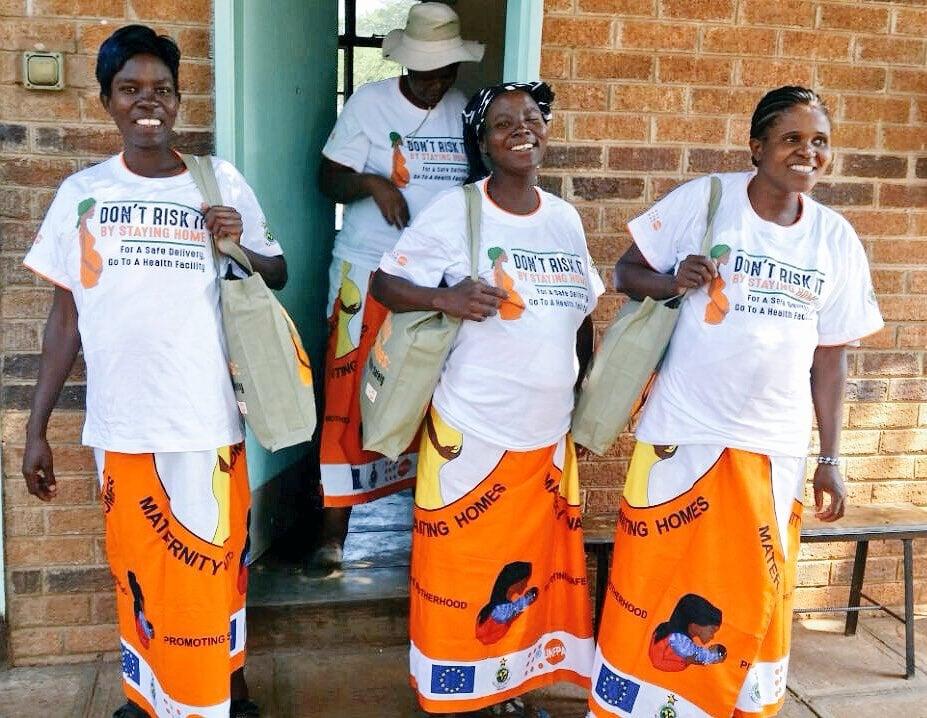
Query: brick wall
(652,92)
(60,594)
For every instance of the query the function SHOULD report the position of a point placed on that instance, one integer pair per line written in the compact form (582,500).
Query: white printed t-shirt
(509,379)
(147,298)
(378,132)
(737,369)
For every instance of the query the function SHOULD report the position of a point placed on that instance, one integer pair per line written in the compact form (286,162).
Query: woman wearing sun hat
(396,144)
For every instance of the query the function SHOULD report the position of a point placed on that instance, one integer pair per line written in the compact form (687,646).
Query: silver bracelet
(829,460)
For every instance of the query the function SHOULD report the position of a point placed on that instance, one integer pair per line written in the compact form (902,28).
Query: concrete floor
(831,677)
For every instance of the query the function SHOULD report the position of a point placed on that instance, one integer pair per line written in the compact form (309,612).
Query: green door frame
(522,59)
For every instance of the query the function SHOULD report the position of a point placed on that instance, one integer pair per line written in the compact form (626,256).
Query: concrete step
(293,606)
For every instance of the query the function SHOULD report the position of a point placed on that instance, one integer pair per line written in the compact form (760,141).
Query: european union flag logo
(447,680)
(616,691)
(131,668)
(233,634)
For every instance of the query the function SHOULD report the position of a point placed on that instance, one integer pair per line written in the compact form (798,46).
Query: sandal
(243,708)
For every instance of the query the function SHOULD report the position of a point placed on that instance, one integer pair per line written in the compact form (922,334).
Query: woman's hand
(827,480)
(389,199)
(693,272)
(470,300)
(223,222)
(38,469)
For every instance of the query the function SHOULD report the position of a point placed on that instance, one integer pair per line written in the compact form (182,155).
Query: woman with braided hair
(502,507)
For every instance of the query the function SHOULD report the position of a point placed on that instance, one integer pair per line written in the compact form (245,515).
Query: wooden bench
(861,524)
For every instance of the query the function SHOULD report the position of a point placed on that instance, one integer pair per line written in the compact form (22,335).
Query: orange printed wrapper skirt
(351,475)
(697,616)
(177,543)
(499,595)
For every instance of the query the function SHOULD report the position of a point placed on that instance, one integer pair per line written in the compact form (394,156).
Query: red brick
(771,73)
(900,251)
(554,63)
(891,50)
(13,137)
(904,139)
(854,17)
(920,168)
(193,41)
(877,222)
(899,491)
(854,135)
(904,441)
(78,8)
(887,281)
(103,608)
(586,96)
(903,309)
(880,467)
(561,6)
(843,194)
(782,12)
(903,195)
(573,157)
(50,610)
(78,140)
(64,427)
(644,159)
(606,188)
(75,520)
(891,364)
(35,171)
(196,77)
(22,34)
(20,336)
(615,219)
(704,161)
(701,130)
(739,40)
(90,639)
(911,22)
(613,66)
(882,339)
(909,80)
(647,98)
(609,127)
(849,77)
(28,642)
(816,45)
(908,389)
(885,166)
(25,521)
(80,72)
(196,11)
(716,10)
(658,36)
(576,32)
(917,282)
(40,552)
(695,70)
(25,303)
(866,390)
(877,569)
(869,108)
(619,8)
(725,102)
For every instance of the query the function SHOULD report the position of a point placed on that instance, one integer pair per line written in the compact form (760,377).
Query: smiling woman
(125,243)
(505,586)
(760,344)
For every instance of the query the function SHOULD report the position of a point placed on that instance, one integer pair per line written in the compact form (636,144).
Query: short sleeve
(237,193)
(672,229)
(348,144)
(49,252)
(850,311)
(434,245)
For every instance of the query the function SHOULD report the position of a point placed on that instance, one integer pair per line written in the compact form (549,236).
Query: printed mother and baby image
(697,613)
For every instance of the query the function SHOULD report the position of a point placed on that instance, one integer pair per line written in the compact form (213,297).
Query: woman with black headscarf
(126,244)
(497,499)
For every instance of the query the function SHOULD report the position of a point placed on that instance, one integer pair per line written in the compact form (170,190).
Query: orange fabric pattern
(180,597)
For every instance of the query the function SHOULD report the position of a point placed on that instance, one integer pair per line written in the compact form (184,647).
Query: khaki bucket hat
(431,39)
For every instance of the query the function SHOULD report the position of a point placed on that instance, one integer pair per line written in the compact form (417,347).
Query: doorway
(277,96)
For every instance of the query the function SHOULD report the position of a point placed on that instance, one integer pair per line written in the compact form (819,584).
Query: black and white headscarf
(474,118)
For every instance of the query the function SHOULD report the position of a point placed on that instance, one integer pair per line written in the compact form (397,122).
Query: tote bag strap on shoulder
(204,177)
(714,199)
(474,226)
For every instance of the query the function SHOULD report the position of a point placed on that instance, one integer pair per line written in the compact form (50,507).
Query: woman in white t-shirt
(397,143)
(499,598)
(711,510)
(127,245)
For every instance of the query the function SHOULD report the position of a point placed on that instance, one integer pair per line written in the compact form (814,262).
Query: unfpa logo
(554,651)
